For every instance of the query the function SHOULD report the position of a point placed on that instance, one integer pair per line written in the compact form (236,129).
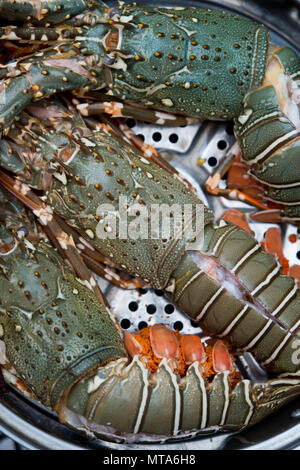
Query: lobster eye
(108,60)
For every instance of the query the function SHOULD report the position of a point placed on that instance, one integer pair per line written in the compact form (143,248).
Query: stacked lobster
(59,341)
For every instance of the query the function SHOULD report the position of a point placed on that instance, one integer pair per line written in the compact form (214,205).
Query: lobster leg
(94,260)
(283,72)
(151,154)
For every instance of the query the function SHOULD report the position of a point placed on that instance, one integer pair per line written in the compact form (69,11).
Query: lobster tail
(108,205)
(235,290)
(117,180)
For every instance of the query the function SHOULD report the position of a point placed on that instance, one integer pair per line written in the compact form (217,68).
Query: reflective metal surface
(35,427)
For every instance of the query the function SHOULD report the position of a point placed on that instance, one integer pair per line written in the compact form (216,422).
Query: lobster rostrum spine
(170,61)
(58,338)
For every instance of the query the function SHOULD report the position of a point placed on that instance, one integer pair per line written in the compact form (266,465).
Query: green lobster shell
(189,61)
(60,340)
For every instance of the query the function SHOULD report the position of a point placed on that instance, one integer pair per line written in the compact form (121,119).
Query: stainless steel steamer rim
(35,427)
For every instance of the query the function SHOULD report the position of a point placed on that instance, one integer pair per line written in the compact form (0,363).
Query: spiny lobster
(81,165)
(229,284)
(194,62)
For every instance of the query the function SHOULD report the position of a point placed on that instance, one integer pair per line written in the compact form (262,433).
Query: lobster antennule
(158,343)
(267,137)
(260,313)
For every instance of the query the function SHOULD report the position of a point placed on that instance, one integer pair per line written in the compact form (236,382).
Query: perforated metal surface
(34,426)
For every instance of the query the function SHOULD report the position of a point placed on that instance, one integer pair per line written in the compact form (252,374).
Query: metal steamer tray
(33,426)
